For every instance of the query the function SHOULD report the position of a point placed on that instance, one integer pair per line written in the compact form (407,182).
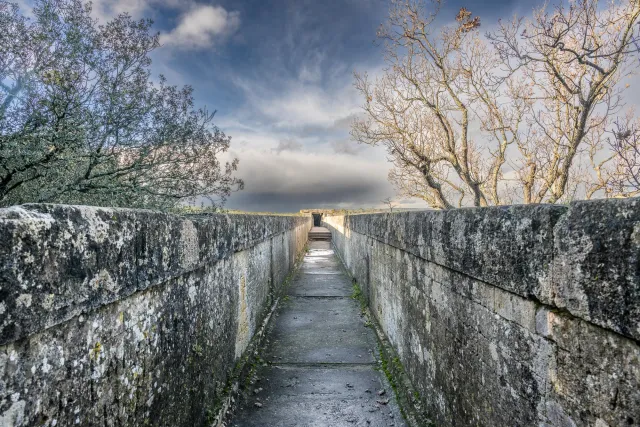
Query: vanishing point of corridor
(322,359)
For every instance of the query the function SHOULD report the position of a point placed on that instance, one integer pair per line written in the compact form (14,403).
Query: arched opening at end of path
(317,219)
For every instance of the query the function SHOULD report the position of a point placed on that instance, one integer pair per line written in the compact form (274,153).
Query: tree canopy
(82,120)
(529,113)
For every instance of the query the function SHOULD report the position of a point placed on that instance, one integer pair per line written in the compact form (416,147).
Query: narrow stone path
(322,358)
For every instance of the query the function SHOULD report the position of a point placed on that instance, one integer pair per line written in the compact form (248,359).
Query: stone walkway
(321,357)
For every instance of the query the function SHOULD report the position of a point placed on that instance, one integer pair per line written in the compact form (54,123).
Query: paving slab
(321,261)
(318,264)
(319,245)
(321,330)
(317,253)
(320,396)
(321,269)
(321,285)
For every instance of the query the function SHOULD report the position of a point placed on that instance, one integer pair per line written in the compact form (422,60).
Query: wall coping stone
(58,261)
(583,258)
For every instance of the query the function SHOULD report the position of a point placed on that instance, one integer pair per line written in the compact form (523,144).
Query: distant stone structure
(508,316)
(317,214)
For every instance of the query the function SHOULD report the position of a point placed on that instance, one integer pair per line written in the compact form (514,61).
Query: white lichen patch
(416,345)
(34,221)
(14,416)
(47,302)
(189,249)
(97,228)
(242,336)
(493,350)
(24,300)
(103,280)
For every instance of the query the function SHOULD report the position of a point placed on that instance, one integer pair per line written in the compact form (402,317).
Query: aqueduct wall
(508,316)
(524,315)
(127,317)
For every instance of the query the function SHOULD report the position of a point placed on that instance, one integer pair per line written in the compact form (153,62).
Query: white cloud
(299,104)
(202,26)
(302,100)
(104,10)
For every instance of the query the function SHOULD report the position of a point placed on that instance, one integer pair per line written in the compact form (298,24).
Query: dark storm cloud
(290,181)
(351,196)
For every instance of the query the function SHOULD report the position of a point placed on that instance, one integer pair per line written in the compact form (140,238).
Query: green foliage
(82,122)
(197,349)
(357,295)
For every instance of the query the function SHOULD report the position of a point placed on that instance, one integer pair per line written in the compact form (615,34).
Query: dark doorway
(317,219)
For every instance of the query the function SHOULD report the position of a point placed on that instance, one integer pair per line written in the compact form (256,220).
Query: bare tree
(626,144)
(82,122)
(617,174)
(470,122)
(390,203)
(422,108)
(573,59)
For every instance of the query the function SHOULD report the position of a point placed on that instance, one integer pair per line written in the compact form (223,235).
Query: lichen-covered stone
(58,261)
(509,246)
(127,317)
(524,315)
(596,268)
(596,378)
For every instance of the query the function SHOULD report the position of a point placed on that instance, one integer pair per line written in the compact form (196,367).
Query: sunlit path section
(321,358)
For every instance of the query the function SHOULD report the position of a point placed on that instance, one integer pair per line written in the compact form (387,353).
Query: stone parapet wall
(521,315)
(129,317)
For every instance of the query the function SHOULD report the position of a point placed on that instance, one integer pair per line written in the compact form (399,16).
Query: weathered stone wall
(508,316)
(116,317)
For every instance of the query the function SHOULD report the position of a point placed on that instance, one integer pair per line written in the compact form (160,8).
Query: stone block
(596,268)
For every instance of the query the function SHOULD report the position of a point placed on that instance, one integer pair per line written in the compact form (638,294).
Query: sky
(279,73)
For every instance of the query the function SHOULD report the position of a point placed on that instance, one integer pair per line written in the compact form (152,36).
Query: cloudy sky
(280,75)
